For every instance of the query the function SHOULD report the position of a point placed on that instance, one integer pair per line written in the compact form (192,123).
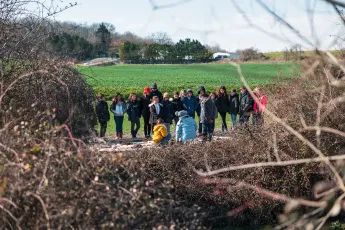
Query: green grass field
(133,78)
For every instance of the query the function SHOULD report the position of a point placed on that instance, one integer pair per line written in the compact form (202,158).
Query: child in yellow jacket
(160,133)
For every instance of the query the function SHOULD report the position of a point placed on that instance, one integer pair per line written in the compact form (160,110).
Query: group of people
(159,111)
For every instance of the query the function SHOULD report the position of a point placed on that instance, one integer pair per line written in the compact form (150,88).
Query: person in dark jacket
(91,116)
(222,104)
(145,101)
(156,111)
(134,114)
(190,103)
(103,115)
(208,115)
(234,106)
(246,106)
(178,106)
(168,111)
(201,93)
(213,97)
(155,92)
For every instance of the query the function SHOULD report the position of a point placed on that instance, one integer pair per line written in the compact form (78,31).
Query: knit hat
(147,90)
(165,95)
(154,85)
(201,88)
(182,113)
(189,91)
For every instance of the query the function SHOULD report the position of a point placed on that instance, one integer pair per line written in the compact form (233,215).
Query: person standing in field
(156,111)
(160,133)
(246,106)
(202,94)
(118,108)
(155,92)
(134,114)
(178,106)
(234,106)
(168,111)
(208,115)
(145,111)
(222,104)
(190,103)
(213,98)
(259,109)
(103,115)
(185,128)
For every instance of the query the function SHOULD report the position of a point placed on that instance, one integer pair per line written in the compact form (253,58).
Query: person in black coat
(168,111)
(145,101)
(222,103)
(246,106)
(134,114)
(234,106)
(208,115)
(156,111)
(155,92)
(103,115)
(178,106)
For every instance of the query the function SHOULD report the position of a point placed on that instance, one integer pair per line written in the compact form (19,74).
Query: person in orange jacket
(259,109)
(160,133)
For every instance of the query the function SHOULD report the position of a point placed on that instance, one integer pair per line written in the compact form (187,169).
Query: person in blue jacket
(190,103)
(186,127)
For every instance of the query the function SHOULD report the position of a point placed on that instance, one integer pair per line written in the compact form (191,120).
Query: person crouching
(185,128)
(160,133)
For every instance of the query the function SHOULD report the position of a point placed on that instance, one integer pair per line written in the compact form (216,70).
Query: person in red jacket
(259,109)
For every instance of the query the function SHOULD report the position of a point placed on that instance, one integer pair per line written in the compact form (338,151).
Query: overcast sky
(216,21)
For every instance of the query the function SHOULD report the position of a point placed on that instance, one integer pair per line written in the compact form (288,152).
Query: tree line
(83,42)
(188,50)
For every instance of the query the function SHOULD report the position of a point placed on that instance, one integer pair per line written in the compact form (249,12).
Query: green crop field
(133,78)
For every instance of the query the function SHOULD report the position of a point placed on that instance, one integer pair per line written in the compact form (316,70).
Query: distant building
(219,55)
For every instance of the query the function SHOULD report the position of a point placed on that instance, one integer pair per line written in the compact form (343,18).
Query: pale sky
(216,21)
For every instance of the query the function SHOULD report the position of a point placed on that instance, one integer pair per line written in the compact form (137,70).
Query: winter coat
(168,111)
(102,111)
(178,105)
(186,129)
(215,109)
(153,114)
(234,104)
(198,107)
(158,94)
(133,111)
(222,104)
(159,132)
(145,101)
(208,111)
(263,103)
(113,108)
(246,103)
(190,104)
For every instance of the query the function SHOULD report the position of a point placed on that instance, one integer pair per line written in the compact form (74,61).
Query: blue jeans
(233,119)
(119,123)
